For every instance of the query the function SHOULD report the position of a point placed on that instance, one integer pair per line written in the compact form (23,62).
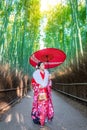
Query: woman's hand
(50,77)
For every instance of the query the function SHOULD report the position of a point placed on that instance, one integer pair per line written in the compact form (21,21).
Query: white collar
(38,78)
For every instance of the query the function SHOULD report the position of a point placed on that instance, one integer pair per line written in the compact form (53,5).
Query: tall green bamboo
(74,6)
(20,30)
(86,18)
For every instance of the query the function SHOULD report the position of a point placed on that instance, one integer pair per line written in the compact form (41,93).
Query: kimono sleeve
(34,84)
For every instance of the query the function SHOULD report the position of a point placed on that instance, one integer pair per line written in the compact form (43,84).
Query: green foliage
(66,29)
(19,30)
(20,22)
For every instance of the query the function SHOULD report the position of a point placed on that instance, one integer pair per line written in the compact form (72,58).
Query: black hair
(39,63)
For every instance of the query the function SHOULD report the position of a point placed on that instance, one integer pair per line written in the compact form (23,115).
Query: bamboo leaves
(20,22)
(19,30)
(64,29)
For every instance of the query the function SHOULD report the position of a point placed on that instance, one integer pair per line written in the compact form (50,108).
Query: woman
(42,109)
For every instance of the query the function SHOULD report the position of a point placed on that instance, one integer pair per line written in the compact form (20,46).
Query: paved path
(69,115)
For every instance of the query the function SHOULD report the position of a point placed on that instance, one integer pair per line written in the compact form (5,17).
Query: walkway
(69,115)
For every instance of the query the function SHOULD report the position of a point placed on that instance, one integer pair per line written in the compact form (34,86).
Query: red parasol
(52,57)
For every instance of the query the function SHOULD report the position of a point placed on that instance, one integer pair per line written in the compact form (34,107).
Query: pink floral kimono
(42,105)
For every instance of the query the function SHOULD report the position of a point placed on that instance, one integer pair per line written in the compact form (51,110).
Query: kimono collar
(37,77)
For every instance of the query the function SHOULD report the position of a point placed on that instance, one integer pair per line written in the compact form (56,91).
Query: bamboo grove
(20,22)
(19,31)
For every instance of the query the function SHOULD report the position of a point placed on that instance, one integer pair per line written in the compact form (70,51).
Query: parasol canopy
(51,57)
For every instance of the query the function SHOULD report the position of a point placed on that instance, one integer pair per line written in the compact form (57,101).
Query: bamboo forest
(27,26)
